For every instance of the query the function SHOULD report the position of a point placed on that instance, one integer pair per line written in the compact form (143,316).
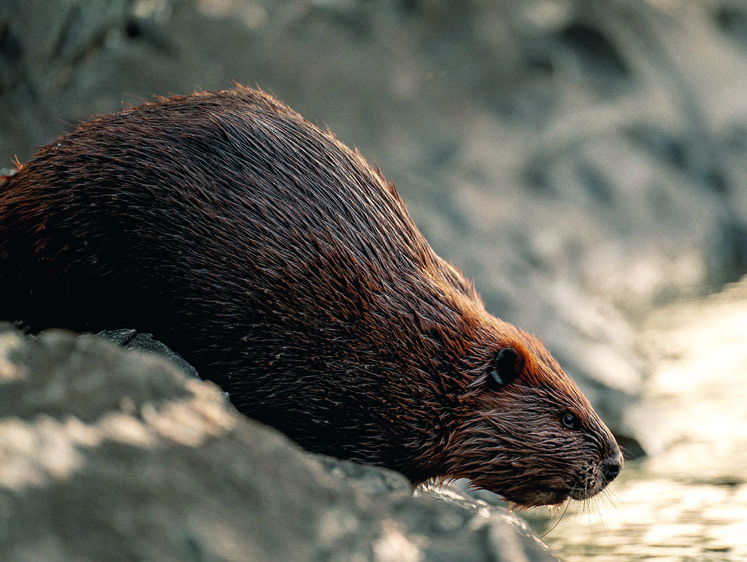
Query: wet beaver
(288,271)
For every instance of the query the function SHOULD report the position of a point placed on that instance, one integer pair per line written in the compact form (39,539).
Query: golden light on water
(688,499)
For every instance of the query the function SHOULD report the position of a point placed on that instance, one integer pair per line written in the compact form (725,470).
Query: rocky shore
(581,161)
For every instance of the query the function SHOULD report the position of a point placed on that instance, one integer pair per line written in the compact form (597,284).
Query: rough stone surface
(109,454)
(132,339)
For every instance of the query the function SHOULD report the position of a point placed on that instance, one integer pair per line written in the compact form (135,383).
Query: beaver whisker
(565,505)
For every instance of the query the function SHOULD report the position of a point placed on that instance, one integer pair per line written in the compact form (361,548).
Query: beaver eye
(570,421)
(505,368)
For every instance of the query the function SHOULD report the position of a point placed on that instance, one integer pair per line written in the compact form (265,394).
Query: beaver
(288,271)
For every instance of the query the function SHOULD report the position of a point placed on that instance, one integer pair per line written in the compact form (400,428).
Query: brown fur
(289,272)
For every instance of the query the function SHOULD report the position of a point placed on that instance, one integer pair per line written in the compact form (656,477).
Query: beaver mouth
(555,496)
(537,498)
(581,494)
(590,482)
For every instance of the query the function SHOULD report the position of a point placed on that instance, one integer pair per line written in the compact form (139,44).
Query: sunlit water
(688,499)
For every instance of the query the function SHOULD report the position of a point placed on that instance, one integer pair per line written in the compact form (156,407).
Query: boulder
(112,454)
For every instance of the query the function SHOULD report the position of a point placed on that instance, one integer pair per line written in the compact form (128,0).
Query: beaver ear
(505,368)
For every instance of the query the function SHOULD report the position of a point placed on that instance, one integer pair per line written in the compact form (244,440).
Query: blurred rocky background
(582,161)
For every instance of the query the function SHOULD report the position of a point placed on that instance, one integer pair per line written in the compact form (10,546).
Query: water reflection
(688,499)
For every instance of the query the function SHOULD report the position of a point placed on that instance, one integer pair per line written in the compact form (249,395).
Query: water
(688,499)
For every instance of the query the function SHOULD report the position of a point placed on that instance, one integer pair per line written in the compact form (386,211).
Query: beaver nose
(611,467)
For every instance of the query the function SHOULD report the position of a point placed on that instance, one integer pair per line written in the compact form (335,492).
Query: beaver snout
(597,476)
(611,467)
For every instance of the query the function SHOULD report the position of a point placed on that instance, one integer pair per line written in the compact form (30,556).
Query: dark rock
(136,341)
(108,454)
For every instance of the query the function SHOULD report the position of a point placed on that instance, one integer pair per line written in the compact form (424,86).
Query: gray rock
(109,454)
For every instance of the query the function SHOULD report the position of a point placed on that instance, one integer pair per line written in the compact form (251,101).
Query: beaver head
(288,271)
(523,429)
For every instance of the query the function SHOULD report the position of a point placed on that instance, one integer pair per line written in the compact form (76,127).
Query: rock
(109,454)
(132,339)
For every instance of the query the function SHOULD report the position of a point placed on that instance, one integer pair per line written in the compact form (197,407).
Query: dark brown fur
(288,271)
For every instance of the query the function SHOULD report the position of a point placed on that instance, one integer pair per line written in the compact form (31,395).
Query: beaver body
(288,271)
